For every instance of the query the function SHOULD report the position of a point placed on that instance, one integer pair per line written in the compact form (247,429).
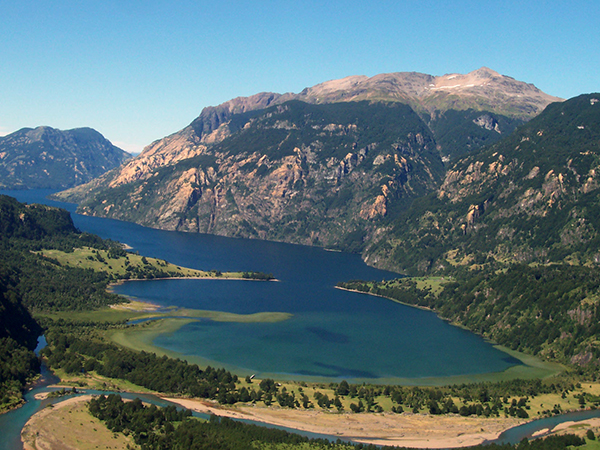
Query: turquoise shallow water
(332,333)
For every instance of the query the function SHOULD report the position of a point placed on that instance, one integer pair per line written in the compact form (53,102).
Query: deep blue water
(332,333)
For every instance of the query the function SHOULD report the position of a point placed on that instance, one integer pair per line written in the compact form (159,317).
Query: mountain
(284,172)
(481,106)
(531,198)
(48,158)
(332,165)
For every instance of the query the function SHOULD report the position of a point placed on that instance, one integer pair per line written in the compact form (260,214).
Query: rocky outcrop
(311,174)
(332,165)
(532,197)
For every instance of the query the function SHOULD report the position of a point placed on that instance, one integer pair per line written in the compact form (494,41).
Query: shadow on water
(337,372)
(328,336)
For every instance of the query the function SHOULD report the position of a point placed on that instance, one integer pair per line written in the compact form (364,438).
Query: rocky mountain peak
(481,90)
(327,166)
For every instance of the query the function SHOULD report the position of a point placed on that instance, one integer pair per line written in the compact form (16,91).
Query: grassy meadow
(123,264)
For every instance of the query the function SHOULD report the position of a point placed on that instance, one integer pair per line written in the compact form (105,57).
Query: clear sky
(137,71)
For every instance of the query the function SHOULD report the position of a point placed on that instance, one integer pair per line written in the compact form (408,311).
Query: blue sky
(139,70)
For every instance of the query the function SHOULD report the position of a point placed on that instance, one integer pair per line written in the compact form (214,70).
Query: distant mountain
(533,197)
(333,165)
(45,157)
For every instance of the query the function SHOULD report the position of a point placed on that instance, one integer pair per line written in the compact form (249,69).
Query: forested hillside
(29,282)
(33,283)
(550,311)
(532,198)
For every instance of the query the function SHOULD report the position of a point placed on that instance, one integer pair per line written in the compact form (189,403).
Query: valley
(320,396)
(481,188)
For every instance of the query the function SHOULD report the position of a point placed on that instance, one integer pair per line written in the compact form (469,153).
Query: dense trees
(76,354)
(29,282)
(532,197)
(549,310)
(167,428)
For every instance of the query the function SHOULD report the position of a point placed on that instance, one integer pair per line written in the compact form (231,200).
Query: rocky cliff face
(532,197)
(45,157)
(313,174)
(332,165)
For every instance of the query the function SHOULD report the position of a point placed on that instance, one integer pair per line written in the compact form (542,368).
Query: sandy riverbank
(68,425)
(407,430)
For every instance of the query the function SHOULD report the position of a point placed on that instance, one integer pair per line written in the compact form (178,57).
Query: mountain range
(47,158)
(418,173)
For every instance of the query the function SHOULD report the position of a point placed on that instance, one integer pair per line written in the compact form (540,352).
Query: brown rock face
(328,166)
(311,174)
(532,197)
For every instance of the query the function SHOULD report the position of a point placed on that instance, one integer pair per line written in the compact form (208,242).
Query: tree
(343,388)
(338,404)
(590,435)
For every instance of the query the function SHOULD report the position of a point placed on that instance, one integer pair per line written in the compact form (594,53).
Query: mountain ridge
(45,157)
(530,198)
(330,166)
(421,91)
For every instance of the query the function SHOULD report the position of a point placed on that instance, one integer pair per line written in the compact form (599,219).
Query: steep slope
(316,174)
(504,102)
(45,157)
(533,197)
(327,166)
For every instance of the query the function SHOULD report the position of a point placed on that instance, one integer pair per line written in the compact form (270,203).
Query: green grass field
(99,260)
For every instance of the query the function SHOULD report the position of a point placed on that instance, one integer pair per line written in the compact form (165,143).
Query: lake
(332,334)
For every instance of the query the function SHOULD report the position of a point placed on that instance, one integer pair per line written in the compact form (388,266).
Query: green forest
(530,198)
(549,311)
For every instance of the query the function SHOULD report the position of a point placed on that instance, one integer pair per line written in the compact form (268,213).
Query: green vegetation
(72,351)
(82,352)
(458,133)
(530,198)
(48,267)
(167,428)
(122,265)
(62,392)
(80,347)
(550,311)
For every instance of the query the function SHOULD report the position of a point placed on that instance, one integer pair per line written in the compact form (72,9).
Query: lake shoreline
(532,366)
(210,277)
